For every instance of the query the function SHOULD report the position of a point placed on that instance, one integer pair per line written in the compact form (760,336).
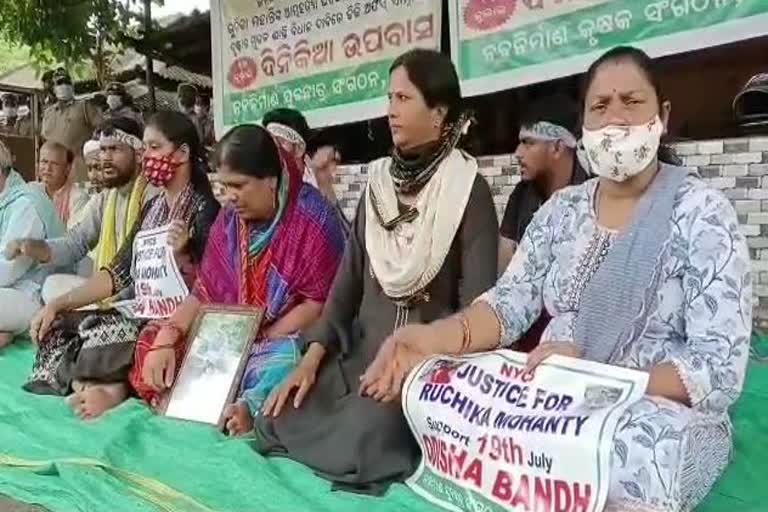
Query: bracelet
(161,347)
(180,333)
(466,339)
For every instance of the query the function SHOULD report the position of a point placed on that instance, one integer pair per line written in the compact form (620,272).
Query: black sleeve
(511,218)
(479,243)
(206,214)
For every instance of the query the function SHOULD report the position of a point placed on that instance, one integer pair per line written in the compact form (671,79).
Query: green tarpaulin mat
(133,461)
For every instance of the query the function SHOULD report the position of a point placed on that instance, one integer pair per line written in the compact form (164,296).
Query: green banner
(498,44)
(326,58)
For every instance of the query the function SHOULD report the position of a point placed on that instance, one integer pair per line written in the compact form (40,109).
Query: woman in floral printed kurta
(683,282)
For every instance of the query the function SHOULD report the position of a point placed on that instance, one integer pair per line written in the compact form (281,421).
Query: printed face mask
(621,152)
(159,171)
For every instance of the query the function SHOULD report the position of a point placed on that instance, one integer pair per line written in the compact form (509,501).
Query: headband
(119,135)
(91,146)
(286,133)
(549,132)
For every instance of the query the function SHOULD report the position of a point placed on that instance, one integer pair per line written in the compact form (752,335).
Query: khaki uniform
(72,124)
(205,123)
(19,127)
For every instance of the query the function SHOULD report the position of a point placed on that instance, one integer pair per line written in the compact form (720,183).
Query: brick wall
(738,167)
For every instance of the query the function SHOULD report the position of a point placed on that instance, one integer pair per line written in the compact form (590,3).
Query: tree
(70,31)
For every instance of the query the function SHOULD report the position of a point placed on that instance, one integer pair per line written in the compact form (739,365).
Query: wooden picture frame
(214,363)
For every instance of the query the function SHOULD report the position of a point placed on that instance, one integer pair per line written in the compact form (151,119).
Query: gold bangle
(466,339)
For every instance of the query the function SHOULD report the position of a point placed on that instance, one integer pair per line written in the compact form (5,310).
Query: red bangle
(180,333)
(162,347)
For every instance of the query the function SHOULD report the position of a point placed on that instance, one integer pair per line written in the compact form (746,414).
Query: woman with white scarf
(423,245)
(643,267)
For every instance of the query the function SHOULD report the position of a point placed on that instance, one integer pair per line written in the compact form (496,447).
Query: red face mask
(159,171)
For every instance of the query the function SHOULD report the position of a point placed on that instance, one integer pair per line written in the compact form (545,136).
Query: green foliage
(14,56)
(68,31)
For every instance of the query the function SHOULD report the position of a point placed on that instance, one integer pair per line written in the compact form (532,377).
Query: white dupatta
(407,258)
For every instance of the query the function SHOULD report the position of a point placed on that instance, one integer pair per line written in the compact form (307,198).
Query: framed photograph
(217,350)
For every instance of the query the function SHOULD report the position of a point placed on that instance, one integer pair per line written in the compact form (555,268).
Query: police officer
(12,121)
(70,121)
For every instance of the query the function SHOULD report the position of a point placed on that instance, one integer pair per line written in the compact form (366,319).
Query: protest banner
(328,59)
(497,438)
(499,44)
(158,283)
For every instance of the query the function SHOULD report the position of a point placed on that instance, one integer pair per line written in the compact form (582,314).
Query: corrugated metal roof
(25,77)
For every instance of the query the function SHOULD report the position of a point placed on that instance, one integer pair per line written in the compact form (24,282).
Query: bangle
(178,331)
(466,339)
(161,347)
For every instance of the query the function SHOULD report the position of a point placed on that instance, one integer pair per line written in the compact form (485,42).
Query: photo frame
(217,350)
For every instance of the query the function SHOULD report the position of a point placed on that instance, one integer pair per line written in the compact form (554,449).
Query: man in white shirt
(125,194)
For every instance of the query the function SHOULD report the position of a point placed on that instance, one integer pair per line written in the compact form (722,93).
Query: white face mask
(114,101)
(64,92)
(200,110)
(621,152)
(9,111)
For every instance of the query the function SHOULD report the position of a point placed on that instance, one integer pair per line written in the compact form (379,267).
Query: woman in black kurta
(358,443)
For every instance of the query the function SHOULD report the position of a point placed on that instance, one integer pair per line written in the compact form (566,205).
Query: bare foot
(79,386)
(94,400)
(5,339)
(239,419)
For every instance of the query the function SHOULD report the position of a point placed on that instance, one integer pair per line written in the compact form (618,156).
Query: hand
(398,355)
(41,322)
(178,236)
(301,379)
(13,250)
(159,369)
(324,162)
(324,165)
(550,348)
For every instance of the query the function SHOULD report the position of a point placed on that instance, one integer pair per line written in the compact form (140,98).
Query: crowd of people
(608,251)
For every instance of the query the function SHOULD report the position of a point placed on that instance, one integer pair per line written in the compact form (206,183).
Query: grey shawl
(618,300)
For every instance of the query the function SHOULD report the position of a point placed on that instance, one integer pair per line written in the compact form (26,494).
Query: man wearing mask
(187,97)
(12,123)
(120,104)
(107,218)
(205,119)
(70,121)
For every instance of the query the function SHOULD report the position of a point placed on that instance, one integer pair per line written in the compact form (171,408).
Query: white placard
(495,438)
(159,286)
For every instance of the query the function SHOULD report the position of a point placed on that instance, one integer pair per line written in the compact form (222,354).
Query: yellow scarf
(108,240)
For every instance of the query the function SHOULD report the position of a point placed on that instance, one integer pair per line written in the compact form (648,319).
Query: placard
(495,438)
(328,59)
(500,44)
(159,286)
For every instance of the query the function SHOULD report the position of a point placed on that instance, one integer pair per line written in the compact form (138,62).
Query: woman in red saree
(276,246)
